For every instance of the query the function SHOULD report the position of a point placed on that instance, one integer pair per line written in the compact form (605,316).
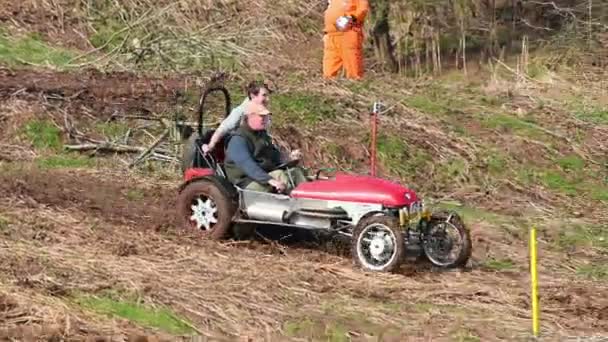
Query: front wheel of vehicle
(378,244)
(447,241)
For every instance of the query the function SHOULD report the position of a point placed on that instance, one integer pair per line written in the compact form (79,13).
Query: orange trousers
(343,49)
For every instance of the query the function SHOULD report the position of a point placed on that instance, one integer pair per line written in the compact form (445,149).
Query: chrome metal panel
(303,220)
(264,206)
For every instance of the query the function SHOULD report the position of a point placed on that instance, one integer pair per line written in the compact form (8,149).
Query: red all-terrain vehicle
(383,219)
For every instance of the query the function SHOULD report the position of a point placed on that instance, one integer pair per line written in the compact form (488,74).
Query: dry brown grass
(76,231)
(53,250)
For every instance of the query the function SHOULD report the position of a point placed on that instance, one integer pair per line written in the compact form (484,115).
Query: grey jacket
(233,121)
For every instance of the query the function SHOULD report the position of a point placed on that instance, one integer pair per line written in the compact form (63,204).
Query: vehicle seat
(218,153)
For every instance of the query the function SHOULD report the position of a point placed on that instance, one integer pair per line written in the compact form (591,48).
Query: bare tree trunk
(383,48)
(590,7)
(464,51)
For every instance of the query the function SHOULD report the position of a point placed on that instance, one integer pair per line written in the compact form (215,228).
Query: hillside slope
(90,247)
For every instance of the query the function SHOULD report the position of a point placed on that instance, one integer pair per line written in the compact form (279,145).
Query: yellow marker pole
(534,278)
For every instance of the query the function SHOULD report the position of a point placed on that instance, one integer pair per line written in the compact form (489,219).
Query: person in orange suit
(343,38)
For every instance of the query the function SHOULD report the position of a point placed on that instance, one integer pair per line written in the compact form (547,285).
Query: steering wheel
(288,164)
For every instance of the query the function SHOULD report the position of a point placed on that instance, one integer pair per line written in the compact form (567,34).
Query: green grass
(113,130)
(594,271)
(399,158)
(4,223)
(31,49)
(61,161)
(574,183)
(465,335)
(426,104)
(159,318)
(334,328)
(593,114)
(497,164)
(135,195)
(107,33)
(43,134)
(472,214)
(318,329)
(558,182)
(499,264)
(583,236)
(305,107)
(511,124)
(571,163)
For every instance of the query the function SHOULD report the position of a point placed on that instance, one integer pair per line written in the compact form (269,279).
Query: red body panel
(357,188)
(197,172)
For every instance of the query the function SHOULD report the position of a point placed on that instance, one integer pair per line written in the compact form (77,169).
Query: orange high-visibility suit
(344,49)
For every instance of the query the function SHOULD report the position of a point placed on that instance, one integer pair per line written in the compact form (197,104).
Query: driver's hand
(295,154)
(280,186)
(206,148)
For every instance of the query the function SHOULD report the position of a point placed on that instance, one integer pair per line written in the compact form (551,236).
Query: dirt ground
(66,232)
(75,231)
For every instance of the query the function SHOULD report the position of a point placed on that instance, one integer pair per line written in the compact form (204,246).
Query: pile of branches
(176,35)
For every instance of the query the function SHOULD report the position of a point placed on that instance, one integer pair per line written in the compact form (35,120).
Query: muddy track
(102,94)
(116,202)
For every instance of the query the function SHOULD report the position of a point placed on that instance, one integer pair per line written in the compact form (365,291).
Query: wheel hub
(379,245)
(203,213)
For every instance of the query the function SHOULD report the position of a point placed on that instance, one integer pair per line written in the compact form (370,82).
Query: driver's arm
(238,151)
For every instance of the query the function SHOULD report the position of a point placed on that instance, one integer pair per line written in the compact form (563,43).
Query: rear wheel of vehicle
(377,244)
(206,207)
(447,241)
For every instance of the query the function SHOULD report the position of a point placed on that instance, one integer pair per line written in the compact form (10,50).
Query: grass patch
(31,49)
(113,130)
(556,181)
(334,329)
(135,195)
(62,161)
(593,114)
(159,318)
(583,236)
(452,171)
(600,193)
(571,163)
(43,134)
(317,329)
(4,222)
(593,271)
(106,33)
(575,183)
(398,158)
(304,107)
(510,124)
(465,335)
(426,104)
(497,164)
(499,264)
(478,214)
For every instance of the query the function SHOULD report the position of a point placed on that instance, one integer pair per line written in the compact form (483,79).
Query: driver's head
(258,116)
(258,92)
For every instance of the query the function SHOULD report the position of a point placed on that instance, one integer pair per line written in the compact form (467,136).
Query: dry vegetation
(88,243)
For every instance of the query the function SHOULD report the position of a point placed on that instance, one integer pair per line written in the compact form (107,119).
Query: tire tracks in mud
(107,198)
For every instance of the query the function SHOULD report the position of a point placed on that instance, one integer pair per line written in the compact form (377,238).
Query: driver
(251,157)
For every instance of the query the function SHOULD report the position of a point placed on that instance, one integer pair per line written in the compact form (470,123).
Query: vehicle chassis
(208,202)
